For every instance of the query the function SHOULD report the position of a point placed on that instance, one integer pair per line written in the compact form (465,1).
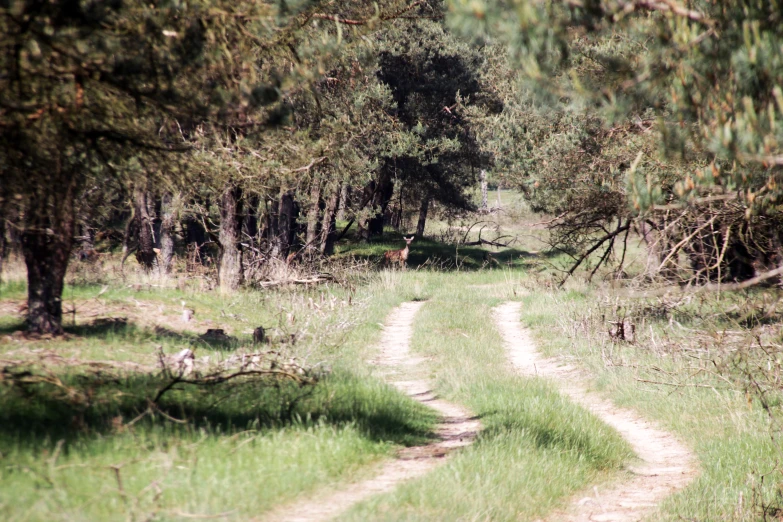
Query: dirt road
(456,429)
(666,464)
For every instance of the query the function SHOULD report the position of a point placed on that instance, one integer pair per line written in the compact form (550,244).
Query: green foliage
(632,109)
(435,80)
(709,75)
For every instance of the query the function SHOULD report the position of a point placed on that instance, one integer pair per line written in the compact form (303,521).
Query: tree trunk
(423,210)
(270,232)
(47,240)
(3,241)
(329,225)
(194,232)
(368,193)
(483,178)
(167,223)
(250,226)
(345,201)
(145,254)
(230,274)
(312,215)
(381,202)
(86,234)
(127,235)
(286,223)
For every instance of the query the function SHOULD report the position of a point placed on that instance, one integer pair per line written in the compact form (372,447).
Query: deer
(401,255)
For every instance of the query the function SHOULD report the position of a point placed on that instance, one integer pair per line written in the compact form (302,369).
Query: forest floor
(400,395)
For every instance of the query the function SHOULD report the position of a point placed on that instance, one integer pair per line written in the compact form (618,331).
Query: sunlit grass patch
(666,378)
(536,447)
(241,448)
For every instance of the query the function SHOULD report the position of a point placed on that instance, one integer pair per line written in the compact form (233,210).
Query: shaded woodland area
(238,135)
(234,136)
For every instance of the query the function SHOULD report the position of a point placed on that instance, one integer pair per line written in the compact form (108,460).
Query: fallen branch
(711,287)
(676,384)
(493,243)
(305,281)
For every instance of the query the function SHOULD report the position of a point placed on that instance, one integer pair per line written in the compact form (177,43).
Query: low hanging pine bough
(710,245)
(610,238)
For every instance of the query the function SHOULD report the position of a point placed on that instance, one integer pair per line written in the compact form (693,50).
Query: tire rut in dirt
(457,428)
(666,465)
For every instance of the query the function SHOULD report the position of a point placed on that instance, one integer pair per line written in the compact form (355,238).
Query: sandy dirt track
(456,429)
(666,465)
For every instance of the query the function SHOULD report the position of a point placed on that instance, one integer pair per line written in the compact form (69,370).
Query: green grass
(262,445)
(246,449)
(536,447)
(246,446)
(729,430)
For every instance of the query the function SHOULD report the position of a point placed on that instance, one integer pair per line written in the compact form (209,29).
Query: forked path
(666,464)
(457,428)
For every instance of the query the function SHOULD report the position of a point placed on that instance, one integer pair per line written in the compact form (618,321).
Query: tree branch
(607,237)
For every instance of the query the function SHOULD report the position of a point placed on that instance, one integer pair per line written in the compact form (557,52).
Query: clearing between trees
(242,449)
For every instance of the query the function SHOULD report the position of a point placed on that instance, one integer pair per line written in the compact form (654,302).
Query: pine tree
(682,104)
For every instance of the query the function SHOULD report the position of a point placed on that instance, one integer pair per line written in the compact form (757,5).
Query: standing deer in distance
(400,256)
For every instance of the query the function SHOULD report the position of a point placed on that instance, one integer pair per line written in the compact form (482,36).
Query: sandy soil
(666,465)
(456,429)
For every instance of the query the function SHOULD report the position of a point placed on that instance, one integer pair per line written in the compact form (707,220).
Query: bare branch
(596,246)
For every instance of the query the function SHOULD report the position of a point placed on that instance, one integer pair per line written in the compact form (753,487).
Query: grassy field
(86,434)
(73,445)
(690,380)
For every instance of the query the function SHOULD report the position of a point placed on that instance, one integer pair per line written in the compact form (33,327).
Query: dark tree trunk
(154,210)
(423,210)
(329,225)
(47,240)
(250,226)
(167,237)
(381,202)
(286,222)
(345,201)
(194,232)
(230,273)
(270,232)
(145,254)
(312,215)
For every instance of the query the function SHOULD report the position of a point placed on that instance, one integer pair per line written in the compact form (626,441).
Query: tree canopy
(651,107)
(251,123)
